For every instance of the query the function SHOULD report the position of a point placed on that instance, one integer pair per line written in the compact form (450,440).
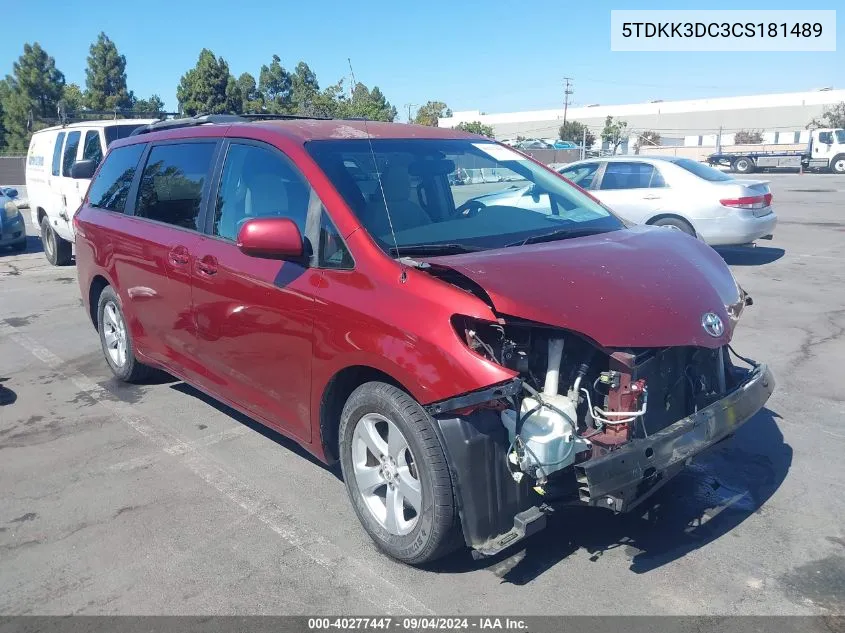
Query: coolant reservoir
(548,433)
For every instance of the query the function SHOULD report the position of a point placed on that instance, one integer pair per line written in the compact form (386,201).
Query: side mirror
(83,169)
(271,238)
(9,192)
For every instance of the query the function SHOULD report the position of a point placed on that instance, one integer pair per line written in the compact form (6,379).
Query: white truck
(53,195)
(825,150)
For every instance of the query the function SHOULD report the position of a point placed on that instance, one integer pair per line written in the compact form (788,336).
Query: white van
(53,195)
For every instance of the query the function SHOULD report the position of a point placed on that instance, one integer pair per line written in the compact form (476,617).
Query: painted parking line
(352,574)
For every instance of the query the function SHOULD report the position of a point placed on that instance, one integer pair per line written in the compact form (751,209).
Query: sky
(493,56)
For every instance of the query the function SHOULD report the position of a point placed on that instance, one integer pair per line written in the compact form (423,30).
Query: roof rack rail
(200,119)
(284,117)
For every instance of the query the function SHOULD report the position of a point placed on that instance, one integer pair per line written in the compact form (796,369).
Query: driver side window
(257,183)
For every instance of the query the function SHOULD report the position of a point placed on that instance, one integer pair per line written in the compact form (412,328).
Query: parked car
(680,193)
(469,365)
(12,227)
(53,194)
(565,145)
(533,143)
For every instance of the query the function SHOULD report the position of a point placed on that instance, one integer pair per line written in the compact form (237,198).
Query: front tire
(675,223)
(57,251)
(116,340)
(396,474)
(837,165)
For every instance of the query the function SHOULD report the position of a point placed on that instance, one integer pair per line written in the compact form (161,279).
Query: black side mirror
(83,169)
(9,192)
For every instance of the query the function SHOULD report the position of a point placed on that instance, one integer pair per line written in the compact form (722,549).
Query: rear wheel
(675,223)
(396,474)
(116,341)
(743,165)
(57,251)
(837,165)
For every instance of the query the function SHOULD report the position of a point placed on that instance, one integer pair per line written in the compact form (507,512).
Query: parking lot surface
(154,499)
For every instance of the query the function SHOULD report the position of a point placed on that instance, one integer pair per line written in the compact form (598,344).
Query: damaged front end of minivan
(584,423)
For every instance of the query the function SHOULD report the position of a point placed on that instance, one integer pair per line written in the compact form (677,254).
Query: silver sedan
(679,193)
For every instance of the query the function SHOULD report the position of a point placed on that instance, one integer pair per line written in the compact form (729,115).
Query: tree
(305,92)
(4,93)
(476,127)
(251,101)
(274,83)
(573,131)
(105,77)
(153,105)
(431,112)
(614,133)
(31,95)
(72,101)
(748,137)
(208,88)
(833,116)
(366,104)
(647,139)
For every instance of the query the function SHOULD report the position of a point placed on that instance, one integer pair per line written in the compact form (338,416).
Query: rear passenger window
(172,183)
(110,187)
(57,154)
(619,175)
(91,149)
(71,146)
(258,183)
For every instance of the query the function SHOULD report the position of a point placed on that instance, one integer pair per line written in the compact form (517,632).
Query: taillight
(748,202)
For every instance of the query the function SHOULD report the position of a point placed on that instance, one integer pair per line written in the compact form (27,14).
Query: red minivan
(473,350)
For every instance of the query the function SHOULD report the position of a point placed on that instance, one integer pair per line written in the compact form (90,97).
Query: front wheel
(57,251)
(116,340)
(396,474)
(675,223)
(837,165)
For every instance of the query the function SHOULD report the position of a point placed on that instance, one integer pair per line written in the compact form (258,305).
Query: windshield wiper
(560,234)
(433,249)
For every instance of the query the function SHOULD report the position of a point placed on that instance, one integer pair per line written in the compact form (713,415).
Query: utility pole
(409,106)
(584,143)
(567,92)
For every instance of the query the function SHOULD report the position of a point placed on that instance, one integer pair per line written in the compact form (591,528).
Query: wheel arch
(674,216)
(95,289)
(40,214)
(335,394)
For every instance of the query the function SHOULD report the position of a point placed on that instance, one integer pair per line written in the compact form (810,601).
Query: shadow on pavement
(7,396)
(711,497)
(749,255)
(33,245)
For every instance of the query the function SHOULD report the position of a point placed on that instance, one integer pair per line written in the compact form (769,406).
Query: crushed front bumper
(625,477)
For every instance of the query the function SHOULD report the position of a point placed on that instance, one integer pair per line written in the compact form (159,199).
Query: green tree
(367,104)
(306,98)
(646,139)
(105,77)
(429,113)
(251,101)
(614,133)
(274,83)
(4,93)
(833,116)
(208,88)
(72,101)
(748,137)
(153,105)
(31,95)
(573,131)
(476,127)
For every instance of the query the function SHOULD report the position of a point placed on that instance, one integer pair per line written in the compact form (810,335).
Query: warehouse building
(782,118)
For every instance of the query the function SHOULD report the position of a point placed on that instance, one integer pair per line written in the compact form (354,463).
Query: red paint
(267,336)
(276,238)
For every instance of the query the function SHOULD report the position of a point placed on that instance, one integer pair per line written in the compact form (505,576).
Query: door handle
(652,197)
(207,265)
(179,256)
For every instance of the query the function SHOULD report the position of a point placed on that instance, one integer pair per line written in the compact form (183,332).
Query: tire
(837,165)
(57,251)
(743,165)
(418,533)
(676,223)
(114,336)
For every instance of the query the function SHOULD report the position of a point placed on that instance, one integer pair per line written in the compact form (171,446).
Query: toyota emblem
(712,324)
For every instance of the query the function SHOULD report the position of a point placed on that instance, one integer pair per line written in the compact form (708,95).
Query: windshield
(701,170)
(840,136)
(455,194)
(114,132)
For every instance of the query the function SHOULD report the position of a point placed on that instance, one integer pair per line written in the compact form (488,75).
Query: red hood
(641,287)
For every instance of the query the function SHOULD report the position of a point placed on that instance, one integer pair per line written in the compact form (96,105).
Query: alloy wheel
(386,474)
(114,333)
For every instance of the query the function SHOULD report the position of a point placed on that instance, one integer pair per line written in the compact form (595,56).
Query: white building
(782,118)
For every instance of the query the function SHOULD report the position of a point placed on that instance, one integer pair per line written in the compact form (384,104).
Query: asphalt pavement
(154,499)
